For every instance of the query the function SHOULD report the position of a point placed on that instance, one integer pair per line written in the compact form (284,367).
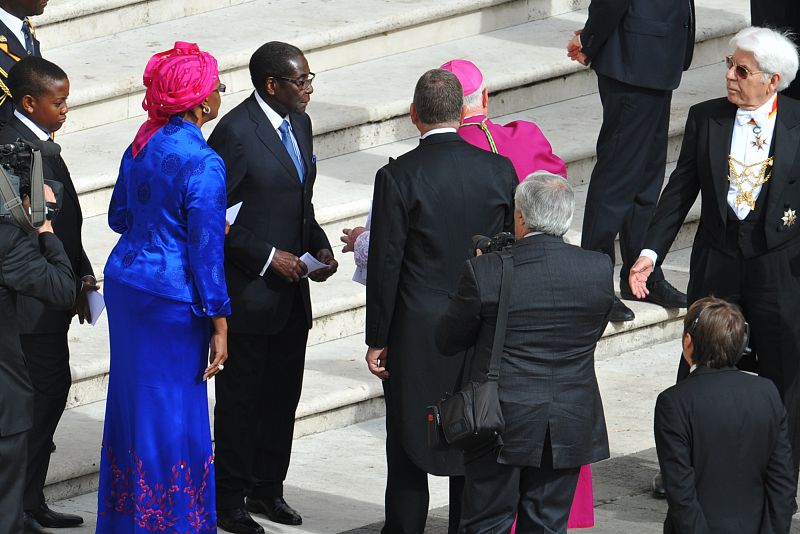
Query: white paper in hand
(232,212)
(96,305)
(312,263)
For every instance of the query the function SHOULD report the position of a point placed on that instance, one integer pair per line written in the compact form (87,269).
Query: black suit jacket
(34,316)
(646,43)
(277,211)
(39,269)
(560,300)
(724,454)
(427,205)
(703,168)
(11,51)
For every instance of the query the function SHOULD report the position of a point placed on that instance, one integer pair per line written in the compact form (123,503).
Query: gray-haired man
(561,298)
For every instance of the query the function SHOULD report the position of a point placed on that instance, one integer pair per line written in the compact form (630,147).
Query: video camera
(492,244)
(21,176)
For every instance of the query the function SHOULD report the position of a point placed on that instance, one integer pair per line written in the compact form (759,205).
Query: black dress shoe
(620,312)
(238,521)
(49,518)
(31,526)
(660,292)
(275,509)
(658,487)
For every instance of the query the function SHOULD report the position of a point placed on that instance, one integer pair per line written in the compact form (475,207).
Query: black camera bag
(472,416)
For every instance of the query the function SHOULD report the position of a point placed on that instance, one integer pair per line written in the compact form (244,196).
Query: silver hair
(774,51)
(546,202)
(475,98)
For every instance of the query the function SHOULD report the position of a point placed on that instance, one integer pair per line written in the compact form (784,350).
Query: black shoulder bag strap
(502,315)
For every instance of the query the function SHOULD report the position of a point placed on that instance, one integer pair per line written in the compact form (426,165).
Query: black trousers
(495,494)
(257,396)
(629,173)
(13,455)
(47,356)
(407,496)
(767,287)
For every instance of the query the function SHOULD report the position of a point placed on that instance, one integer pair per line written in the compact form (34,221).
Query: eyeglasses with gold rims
(302,83)
(742,72)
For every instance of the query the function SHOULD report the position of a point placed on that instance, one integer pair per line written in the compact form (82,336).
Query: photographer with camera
(39,269)
(40,91)
(560,300)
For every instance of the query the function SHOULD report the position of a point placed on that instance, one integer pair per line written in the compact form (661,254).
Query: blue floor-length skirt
(157,466)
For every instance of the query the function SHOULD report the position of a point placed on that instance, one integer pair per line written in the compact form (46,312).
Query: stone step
(352,111)
(321,479)
(71,21)
(333,34)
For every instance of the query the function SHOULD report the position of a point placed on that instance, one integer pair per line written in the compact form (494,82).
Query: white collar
(760,114)
(32,126)
(274,118)
(14,24)
(437,131)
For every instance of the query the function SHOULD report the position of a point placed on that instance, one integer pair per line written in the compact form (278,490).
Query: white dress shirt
(14,24)
(37,131)
(275,120)
(742,149)
(437,131)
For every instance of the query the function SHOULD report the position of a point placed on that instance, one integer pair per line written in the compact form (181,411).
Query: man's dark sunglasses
(302,83)
(221,88)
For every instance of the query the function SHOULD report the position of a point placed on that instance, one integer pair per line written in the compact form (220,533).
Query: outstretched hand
(637,278)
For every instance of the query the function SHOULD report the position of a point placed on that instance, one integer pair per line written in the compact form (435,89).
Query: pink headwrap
(177,80)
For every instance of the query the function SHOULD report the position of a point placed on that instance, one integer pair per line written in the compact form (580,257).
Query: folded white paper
(232,212)
(312,263)
(96,305)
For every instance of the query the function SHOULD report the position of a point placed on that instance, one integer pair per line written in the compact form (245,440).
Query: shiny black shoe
(31,526)
(620,313)
(52,519)
(658,487)
(238,521)
(660,292)
(276,510)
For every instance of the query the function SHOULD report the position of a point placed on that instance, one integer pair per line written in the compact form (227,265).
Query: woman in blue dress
(167,303)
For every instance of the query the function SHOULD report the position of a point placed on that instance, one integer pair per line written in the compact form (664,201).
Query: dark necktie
(286,138)
(26,31)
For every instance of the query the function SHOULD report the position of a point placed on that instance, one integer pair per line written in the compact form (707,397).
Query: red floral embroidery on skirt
(153,504)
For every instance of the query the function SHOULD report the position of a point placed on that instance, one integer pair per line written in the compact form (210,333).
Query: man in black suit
(782,14)
(17,40)
(426,206)
(38,269)
(561,297)
(721,435)
(742,153)
(266,142)
(40,109)
(638,48)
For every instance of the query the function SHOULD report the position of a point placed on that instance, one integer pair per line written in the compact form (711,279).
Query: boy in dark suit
(721,435)
(40,109)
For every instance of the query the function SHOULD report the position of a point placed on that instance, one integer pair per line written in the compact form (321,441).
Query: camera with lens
(21,177)
(486,244)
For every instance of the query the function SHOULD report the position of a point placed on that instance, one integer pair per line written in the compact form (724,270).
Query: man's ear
(463,114)
(269,86)
(412,111)
(28,103)
(774,80)
(485,98)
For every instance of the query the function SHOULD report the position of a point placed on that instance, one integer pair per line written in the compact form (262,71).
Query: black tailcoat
(427,206)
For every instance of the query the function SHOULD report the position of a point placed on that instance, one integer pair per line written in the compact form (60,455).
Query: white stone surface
(338,491)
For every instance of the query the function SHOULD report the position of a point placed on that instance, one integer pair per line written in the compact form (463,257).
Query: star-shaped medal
(759,143)
(789,217)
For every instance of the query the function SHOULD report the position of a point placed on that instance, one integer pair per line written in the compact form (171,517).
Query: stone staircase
(367,56)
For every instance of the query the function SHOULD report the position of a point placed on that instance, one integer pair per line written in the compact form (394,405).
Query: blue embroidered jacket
(169,205)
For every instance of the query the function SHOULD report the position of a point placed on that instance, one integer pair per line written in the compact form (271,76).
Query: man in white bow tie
(742,153)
